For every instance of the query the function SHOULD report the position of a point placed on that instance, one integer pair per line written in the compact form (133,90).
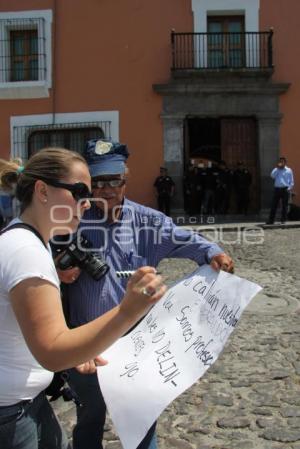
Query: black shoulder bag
(59,385)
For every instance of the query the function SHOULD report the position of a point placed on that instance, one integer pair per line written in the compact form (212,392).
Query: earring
(45,200)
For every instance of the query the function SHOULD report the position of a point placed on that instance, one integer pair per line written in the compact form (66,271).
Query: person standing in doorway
(224,187)
(283,184)
(187,189)
(164,185)
(242,181)
(210,178)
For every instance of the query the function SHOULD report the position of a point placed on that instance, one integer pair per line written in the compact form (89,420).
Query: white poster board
(179,339)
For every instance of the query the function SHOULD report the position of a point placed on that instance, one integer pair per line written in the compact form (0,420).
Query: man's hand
(222,262)
(68,276)
(91,366)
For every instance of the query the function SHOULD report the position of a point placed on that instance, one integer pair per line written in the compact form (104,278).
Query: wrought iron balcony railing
(209,51)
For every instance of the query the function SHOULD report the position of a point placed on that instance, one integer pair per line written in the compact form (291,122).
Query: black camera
(83,258)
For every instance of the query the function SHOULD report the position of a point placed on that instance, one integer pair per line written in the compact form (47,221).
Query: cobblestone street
(250,398)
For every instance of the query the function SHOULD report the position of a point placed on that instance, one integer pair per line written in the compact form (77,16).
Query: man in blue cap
(126,235)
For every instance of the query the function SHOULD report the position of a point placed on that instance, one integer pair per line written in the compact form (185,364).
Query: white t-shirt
(22,256)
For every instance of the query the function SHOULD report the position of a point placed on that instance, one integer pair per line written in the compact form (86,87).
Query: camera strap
(25,226)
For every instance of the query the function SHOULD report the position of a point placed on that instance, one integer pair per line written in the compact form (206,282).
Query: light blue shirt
(283,177)
(142,236)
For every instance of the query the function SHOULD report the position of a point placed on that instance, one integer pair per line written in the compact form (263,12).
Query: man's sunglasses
(97,184)
(79,190)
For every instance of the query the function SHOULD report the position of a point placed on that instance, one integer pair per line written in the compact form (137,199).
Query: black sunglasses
(99,184)
(79,190)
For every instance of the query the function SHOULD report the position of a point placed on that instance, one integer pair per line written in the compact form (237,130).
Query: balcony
(222,52)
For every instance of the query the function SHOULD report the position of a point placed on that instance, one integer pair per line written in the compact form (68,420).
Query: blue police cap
(105,157)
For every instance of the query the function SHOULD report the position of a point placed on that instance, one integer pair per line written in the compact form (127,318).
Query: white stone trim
(27,89)
(202,8)
(64,118)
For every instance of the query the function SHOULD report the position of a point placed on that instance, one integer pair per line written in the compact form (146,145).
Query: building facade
(179,81)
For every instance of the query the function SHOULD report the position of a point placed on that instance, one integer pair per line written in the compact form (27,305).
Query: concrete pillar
(269,150)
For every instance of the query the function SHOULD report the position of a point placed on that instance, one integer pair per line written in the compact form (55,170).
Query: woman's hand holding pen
(144,289)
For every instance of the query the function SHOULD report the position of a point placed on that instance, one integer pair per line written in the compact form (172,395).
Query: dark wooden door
(239,143)
(226,41)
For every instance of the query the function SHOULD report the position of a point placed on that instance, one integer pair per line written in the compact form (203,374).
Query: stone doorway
(210,141)
(228,96)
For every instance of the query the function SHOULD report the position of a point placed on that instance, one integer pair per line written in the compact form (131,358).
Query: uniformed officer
(210,179)
(242,182)
(164,185)
(187,185)
(224,187)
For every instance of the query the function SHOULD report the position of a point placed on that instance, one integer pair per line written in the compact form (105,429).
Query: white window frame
(61,119)
(205,8)
(26,89)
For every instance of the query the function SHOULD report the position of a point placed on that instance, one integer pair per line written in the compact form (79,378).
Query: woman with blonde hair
(54,190)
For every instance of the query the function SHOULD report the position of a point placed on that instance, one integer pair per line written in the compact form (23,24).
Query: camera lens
(78,254)
(95,267)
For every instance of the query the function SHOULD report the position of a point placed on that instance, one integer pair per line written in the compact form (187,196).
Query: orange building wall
(118,71)
(108,54)
(284,17)
(10,108)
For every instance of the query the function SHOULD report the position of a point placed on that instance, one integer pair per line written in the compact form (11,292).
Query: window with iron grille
(27,138)
(72,139)
(24,55)
(22,50)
